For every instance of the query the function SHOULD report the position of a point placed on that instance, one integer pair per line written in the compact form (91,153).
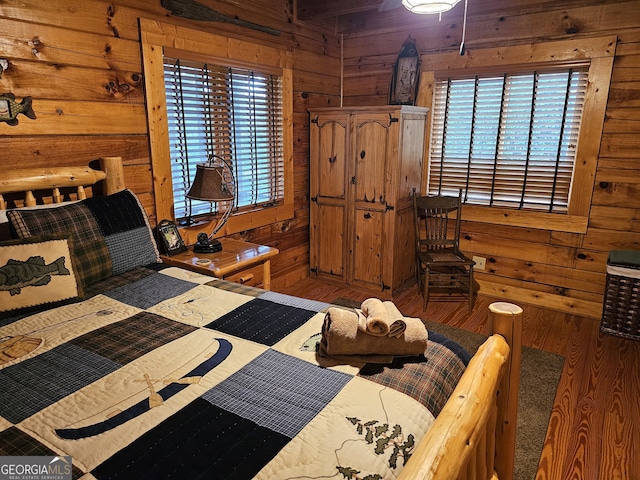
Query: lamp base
(210,246)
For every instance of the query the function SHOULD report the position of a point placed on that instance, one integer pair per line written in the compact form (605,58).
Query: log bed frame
(474,435)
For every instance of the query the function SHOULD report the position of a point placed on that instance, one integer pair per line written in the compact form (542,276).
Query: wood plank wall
(80,60)
(554,269)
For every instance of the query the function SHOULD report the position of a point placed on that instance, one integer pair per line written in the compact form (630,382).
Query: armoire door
(328,183)
(373,148)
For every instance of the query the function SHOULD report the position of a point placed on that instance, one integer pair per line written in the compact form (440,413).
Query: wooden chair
(440,265)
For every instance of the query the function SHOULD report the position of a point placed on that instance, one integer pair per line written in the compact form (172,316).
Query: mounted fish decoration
(9,108)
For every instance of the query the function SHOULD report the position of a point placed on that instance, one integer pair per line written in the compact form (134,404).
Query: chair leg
(471,297)
(425,290)
(419,275)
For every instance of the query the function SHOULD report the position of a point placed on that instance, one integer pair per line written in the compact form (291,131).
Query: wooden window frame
(158,37)
(600,53)
(259,177)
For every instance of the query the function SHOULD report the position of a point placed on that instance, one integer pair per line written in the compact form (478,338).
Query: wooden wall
(80,60)
(556,269)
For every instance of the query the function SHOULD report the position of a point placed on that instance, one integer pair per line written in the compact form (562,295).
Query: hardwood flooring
(594,431)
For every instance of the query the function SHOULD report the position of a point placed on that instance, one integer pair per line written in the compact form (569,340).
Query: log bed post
(473,437)
(506,319)
(112,166)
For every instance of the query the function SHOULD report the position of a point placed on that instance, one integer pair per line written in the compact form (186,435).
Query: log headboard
(18,187)
(28,180)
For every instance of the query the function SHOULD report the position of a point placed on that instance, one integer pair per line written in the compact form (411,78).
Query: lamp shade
(209,185)
(429,6)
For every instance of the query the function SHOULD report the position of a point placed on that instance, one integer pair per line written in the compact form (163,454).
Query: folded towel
(381,318)
(342,336)
(375,317)
(340,329)
(397,323)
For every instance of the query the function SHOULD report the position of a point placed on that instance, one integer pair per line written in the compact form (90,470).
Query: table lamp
(210,185)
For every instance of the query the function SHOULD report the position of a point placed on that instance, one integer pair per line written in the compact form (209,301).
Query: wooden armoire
(365,164)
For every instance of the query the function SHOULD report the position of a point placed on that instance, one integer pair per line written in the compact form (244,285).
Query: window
(595,55)
(272,201)
(234,113)
(508,140)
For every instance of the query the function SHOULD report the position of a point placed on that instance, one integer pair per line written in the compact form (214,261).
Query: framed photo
(169,239)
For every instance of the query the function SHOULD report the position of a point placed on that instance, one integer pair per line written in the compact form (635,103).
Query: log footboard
(474,436)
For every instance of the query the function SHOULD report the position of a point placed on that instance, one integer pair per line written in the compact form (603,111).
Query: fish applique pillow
(36,271)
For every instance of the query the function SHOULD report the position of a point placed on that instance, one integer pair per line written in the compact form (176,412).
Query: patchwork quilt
(165,373)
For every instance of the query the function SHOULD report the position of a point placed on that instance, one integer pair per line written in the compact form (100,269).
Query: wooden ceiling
(314,9)
(353,16)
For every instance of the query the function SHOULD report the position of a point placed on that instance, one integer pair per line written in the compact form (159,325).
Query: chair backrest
(432,214)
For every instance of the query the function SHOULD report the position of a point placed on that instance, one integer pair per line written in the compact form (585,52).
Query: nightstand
(241,262)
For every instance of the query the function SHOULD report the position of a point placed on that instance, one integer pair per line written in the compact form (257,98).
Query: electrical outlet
(481,262)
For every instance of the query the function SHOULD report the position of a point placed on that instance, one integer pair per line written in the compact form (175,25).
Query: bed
(136,369)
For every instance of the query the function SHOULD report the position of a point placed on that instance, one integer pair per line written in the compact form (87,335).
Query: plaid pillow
(111,234)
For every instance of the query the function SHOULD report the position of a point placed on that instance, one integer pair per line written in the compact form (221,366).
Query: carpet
(539,377)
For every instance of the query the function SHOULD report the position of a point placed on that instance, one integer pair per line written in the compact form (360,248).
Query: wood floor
(594,431)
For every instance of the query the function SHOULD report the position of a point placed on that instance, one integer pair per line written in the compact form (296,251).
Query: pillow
(5,230)
(111,234)
(5,220)
(36,271)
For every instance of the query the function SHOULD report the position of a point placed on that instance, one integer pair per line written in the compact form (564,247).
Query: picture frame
(169,239)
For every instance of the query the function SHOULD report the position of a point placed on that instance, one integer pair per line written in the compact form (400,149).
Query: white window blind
(231,112)
(507,140)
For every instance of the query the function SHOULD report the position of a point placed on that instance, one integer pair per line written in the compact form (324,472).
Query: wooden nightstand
(238,261)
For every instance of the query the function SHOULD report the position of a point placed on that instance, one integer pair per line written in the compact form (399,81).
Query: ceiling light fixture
(429,6)
(439,7)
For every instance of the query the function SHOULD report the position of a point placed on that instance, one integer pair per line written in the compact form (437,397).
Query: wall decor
(9,108)
(406,71)
(194,10)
